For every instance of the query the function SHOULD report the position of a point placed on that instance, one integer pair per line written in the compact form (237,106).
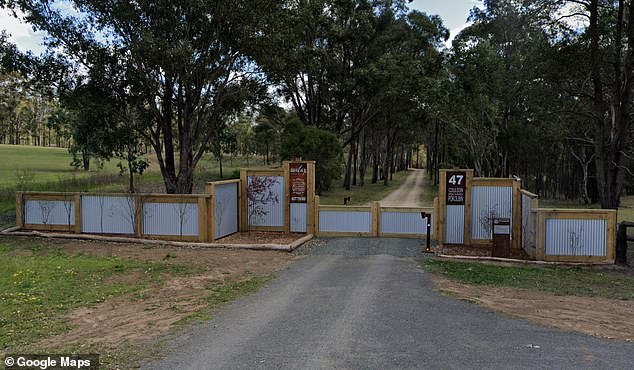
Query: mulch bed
(461,250)
(484,251)
(259,237)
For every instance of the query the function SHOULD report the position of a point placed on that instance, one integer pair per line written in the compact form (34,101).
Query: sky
(454,14)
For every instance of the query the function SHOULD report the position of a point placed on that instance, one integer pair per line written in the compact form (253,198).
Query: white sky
(453,12)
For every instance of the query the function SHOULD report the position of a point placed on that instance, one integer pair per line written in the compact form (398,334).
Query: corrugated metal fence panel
(107,214)
(569,237)
(404,223)
(226,209)
(488,202)
(49,212)
(174,219)
(529,232)
(454,226)
(273,212)
(345,221)
(299,217)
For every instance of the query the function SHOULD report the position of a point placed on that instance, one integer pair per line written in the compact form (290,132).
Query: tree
(266,139)
(179,65)
(328,61)
(311,143)
(611,37)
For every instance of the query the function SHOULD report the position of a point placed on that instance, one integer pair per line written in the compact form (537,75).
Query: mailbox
(501,237)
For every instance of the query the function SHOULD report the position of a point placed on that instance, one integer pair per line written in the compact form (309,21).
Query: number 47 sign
(456,187)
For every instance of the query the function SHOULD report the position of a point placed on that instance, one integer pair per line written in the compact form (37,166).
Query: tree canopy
(540,89)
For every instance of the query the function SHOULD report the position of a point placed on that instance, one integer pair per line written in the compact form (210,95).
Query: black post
(427,217)
(621,245)
(428,232)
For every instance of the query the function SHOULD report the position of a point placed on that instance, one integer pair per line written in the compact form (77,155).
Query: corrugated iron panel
(107,214)
(345,221)
(454,226)
(299,217)
(273,212)
(49,212)
(404,223)
(529,230)
(487,202)
(225,209)
(174,219)
(569,237)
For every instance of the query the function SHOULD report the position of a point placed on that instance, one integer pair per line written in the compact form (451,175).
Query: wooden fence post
(242,200)
(77,199)
(316,216)
(287,198)
(19,209)
(311,198)
(203,218)
(210,211)
(436,219)
(541,236)
(138,227)
(376,219)
(516,242)
(610,243)
(467,207)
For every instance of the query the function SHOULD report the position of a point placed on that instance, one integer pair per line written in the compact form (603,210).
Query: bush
(313,144)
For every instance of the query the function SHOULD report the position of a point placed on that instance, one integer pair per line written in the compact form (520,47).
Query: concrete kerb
(275,247)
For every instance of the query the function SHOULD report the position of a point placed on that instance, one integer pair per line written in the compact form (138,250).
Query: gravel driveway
(365,304)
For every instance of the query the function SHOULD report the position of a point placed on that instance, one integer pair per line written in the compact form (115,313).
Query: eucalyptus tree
(180,66)
(328,59)
(608,41)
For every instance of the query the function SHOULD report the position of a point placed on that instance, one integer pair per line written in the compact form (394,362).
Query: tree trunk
(364,160)
(220,163)
(387,164)
(85,158)
(354,165)
(375,166)
(611,139)
(347,175)
(130,177)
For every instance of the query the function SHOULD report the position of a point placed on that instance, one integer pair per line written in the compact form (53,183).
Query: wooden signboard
(299,182)
(456,188)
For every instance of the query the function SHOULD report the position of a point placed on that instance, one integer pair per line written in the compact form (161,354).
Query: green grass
(30,168)
(362,195)
(573,281)
(32,164)
(624,213)
(40,284)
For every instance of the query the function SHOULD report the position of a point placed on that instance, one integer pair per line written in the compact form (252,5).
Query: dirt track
(409,194)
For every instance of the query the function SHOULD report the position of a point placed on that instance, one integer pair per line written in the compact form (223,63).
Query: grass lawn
(32,165)
(361,195)
(117,300)
(39,286)
(30,168)
(624,213)
(565,281)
